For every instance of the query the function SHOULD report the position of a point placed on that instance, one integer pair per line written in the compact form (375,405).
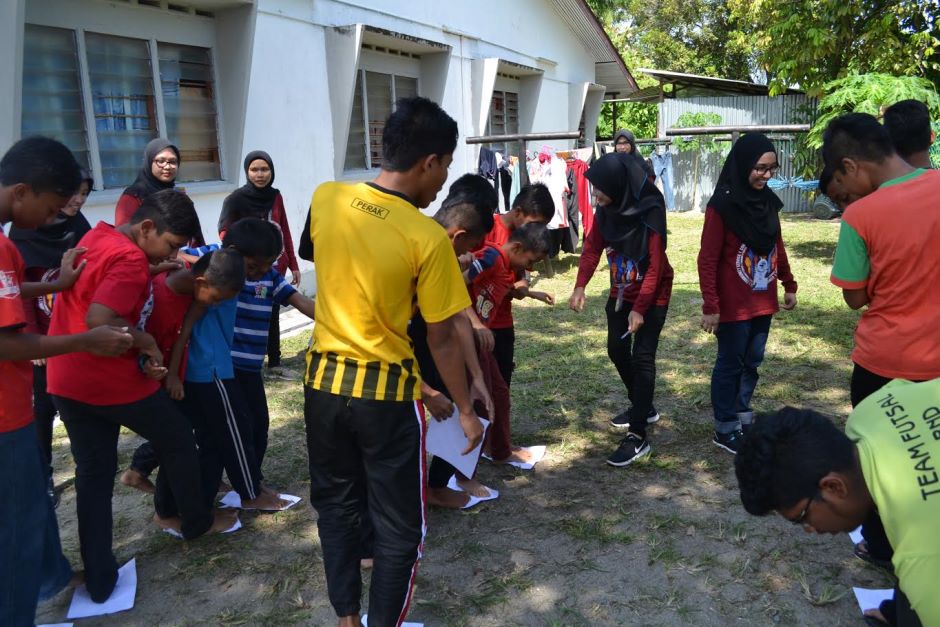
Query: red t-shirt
(654,287)
(118,277)
(499,235)
(126,208)
(166,320)
(16,377)
(491,281)
(736,282)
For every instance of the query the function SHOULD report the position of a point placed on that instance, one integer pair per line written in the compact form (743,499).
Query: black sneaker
(622,420)
(731,442)
(631,448)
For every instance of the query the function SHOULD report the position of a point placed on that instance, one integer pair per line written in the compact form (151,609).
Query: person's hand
(153,366)
(166,266)
(472,429)
(710,322)
(68,271)
(545,297)
(440,406)
(174,387)
(39,362)
(107,341)
(634,322)
(479,393)
(576,302)
(465,260)
(154,370)
(789,301)
(485,339)
(295,277)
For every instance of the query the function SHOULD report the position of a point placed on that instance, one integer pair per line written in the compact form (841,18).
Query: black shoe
(631,448)
(731,442)
(622,420)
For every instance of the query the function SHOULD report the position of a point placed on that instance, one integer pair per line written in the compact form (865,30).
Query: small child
(215,277)
(532,204)
(233,334)
(491,278)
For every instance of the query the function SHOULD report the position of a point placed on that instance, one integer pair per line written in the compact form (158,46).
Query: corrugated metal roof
(710,82)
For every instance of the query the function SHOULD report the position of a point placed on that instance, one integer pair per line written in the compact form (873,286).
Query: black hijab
(637,207)
(630,137)
(146,183)
(753,215)
(44,247)
(249,201)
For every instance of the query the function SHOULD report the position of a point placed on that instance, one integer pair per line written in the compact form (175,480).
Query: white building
(309,81)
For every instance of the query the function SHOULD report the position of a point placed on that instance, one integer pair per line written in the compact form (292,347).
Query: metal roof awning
(697,85)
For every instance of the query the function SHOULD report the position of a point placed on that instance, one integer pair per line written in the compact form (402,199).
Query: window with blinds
(373,101)
(108,117)
(504,117)
(52,93)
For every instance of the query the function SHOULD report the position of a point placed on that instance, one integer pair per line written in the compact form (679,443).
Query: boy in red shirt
(37,178)
(532,204)
(95,396)
(492,280)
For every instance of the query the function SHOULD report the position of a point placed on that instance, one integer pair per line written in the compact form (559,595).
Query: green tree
(808,43)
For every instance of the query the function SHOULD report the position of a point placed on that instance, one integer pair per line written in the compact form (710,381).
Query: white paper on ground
(234,527)
(538,452)
(453,485)
(365,622)
(121,599)
(856,535)
(446,440)
(869,599)
(231,499)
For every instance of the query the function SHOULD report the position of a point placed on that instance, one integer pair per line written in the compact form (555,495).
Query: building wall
(284,76)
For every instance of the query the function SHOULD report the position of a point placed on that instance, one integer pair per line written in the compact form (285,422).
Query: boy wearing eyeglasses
(799,464)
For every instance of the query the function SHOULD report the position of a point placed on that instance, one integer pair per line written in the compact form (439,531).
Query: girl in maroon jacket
(257,198)
(741,258)
(630,225)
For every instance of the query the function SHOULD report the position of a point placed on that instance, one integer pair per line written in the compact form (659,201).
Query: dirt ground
(574,542)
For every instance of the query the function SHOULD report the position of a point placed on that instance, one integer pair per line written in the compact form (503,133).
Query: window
(374,100)
(52,93)
(120,103)
(504,117)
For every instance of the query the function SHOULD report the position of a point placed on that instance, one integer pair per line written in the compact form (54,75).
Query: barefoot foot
(366,563)
(223,520)
(473,487)
(447,498)
(267,501)
(172,523)
(134,479)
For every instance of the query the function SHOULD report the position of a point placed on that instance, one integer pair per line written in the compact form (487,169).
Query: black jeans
(864,384)
(504,352)
(274,337)
(44,412)
(634,357)
(361,449)
(93,431)
(252,388)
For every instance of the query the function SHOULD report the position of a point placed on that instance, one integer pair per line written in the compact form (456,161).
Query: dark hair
(469,205)
(42,163)
(223,269)
(856,136)
(170,210)
(254,237)
(535,200)
(785,455)
(417,128)
(534,237)
(825,178)
(908,124)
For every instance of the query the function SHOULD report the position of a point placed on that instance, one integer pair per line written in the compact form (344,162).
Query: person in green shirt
(799,464)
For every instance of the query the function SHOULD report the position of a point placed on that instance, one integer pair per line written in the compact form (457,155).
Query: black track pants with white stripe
(362,449)
(223,428)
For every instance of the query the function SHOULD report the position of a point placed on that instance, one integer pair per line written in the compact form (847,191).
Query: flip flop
(538,453)
(493,493)
(176,534)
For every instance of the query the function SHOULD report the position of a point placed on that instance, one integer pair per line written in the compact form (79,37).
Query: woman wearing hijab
(630,225)
(42,251)
(257,198)
(741,258)
(160,167)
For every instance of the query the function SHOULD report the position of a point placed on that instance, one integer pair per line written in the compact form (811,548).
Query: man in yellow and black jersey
(376,257)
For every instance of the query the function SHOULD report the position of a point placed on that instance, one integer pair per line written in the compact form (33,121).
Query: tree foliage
(808,43)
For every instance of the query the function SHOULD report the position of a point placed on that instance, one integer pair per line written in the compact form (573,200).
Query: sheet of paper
(365,622)
(537,452)
(446,440)
(231,499)
(121,599)
(178,535)
(869,599)
(453,485)
(856,535)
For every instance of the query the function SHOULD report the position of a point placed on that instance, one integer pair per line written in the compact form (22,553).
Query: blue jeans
(662,167)
(32,567)
(740,352)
